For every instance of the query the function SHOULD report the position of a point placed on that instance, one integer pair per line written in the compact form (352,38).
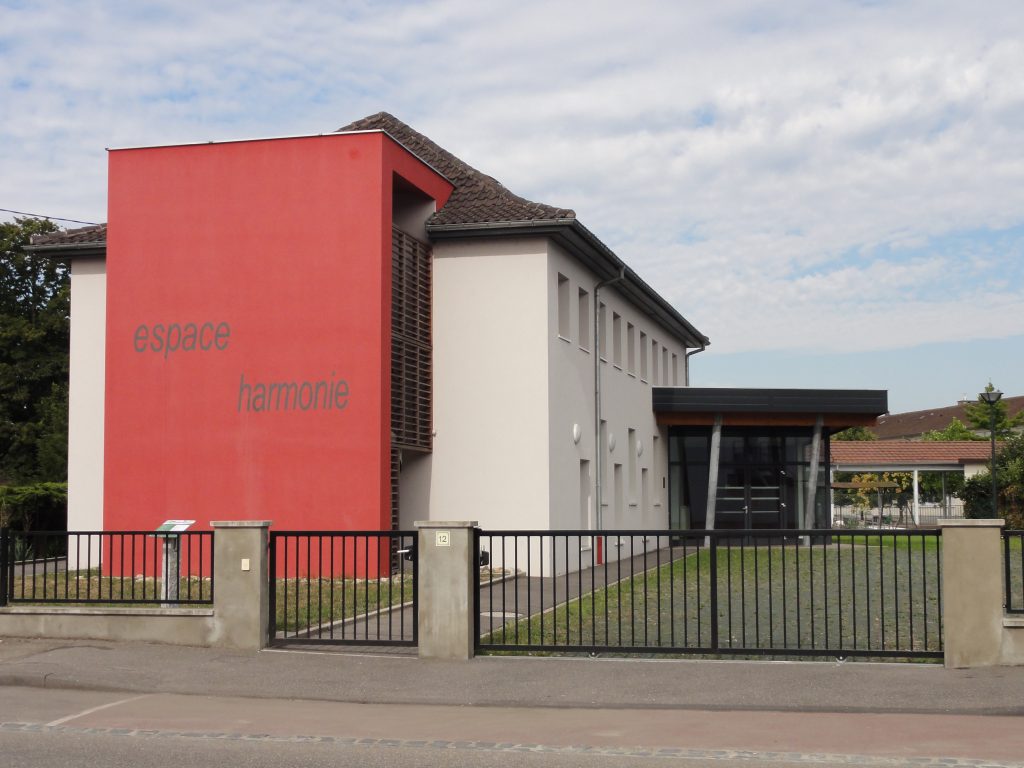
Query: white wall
(972,469)
(490,310)
(86,394)
(626,405)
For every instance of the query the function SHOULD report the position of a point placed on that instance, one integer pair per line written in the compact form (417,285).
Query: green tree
(977,493)
(34,344)
(854,433)
(955,430)
(979,414)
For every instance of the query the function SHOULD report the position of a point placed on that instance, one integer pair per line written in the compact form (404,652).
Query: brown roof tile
(916,423)
(96,234)
(903,452)
(477,198)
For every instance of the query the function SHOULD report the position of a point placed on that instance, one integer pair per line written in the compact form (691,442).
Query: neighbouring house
(913,424)
(357,330)
(961,458)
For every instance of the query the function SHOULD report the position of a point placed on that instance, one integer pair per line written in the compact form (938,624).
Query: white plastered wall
(490,315)
(626,405)
(86,395)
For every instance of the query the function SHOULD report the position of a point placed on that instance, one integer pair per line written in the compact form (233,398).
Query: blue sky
(832,191)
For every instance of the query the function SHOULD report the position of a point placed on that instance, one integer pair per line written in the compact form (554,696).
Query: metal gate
(777,593)
(343,587)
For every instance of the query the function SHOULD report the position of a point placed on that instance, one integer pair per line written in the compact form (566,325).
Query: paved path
(665,733)
(784,713)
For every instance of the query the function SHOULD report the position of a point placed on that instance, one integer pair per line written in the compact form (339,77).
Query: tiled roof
(916,423)
(477,198)
(94,235)
(908,452)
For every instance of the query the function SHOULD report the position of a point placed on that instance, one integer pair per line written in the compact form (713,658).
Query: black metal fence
(752,592)
(122,567)
(353,587)
(1013,562)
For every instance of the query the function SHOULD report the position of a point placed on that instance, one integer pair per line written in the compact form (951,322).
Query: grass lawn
(880,596)
(91,586)
(308,604)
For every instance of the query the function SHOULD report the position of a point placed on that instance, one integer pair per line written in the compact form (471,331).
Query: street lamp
(992,398)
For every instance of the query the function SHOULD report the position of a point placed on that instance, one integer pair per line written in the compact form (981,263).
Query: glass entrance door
(750,497)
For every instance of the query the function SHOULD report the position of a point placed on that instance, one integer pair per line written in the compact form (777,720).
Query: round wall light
(577,433)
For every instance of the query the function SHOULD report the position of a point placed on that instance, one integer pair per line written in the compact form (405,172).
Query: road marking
(681,754)
(89,711)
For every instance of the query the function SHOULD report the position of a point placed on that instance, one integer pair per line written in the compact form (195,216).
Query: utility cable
(44,216)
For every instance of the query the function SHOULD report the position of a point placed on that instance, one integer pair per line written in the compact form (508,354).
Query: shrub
(37,507)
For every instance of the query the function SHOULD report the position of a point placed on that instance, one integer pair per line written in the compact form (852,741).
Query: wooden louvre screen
(411,375)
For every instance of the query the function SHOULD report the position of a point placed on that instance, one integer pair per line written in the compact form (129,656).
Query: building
(911,425)
(959,458)
(357,330)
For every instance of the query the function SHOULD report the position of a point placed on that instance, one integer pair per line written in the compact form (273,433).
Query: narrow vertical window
(645,499)
(664,364)
(602,327)
(563,307)
(675,370)
(643,355)
(631,348)
(620,496)
(584,319)
(616,339)
(654,362)
(586,516)
(631,458)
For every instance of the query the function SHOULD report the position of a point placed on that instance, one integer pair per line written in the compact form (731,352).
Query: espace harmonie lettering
(329,394)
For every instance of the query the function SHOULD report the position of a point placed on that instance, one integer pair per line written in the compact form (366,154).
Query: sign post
(170,571)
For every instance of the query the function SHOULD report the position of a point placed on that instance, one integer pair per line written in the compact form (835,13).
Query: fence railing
(120,567)
(1013,562)
(751,592)
(354,587)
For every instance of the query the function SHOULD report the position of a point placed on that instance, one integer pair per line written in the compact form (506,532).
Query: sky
(833,192)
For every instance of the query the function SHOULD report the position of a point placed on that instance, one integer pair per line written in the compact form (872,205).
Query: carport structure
(965,457)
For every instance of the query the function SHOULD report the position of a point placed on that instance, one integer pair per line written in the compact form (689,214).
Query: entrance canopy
(755,458)
(838,408)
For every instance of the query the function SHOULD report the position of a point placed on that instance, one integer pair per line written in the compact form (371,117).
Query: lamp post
(992,398)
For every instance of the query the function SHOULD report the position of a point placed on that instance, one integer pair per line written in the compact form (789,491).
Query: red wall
(278,253)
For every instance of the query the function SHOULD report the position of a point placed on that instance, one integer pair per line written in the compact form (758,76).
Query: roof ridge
(477,198)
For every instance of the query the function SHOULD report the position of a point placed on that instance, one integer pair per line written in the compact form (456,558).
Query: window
(631,458)
(584,319)
(563,307)
(675,370)
(631,348)
(643,355)
(664,364)
(602,327)
(620,496)
(654,362)
(616,339)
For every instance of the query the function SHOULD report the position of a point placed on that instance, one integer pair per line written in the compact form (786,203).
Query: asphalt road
(61,727)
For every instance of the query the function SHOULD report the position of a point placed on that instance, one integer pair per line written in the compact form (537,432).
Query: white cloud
(789,174)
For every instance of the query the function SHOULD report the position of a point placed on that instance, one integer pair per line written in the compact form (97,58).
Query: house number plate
(442,538)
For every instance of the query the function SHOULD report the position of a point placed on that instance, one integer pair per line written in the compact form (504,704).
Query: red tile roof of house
(909,452)
(94,235)
(916,423)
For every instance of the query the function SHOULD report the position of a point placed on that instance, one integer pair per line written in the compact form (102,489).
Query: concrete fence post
(241,596)
(447,579)
(972,592)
